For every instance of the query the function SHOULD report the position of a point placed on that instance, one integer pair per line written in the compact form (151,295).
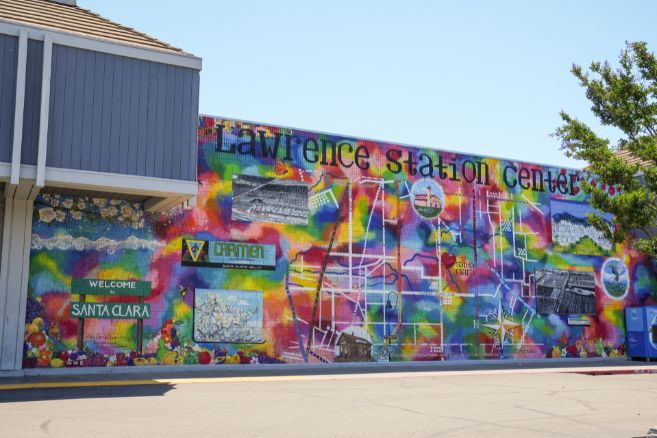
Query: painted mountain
(572,233)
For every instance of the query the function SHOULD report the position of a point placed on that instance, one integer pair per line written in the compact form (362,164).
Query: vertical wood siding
(8,61)
(31,114)
(114,114)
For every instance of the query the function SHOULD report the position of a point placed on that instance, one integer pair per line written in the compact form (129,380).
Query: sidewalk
(167,375)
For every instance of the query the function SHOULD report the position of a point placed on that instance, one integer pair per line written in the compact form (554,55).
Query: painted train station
(138,232)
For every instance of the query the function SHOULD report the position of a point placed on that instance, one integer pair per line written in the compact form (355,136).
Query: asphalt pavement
(598,400)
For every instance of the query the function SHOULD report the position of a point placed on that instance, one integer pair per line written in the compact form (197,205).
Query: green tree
(624,97)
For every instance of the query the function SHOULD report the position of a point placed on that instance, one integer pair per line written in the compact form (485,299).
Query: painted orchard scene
(310,247)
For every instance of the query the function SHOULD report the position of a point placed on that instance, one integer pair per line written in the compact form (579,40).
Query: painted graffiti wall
(308,247)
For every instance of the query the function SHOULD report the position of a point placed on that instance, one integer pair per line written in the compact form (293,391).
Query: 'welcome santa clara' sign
(126,288)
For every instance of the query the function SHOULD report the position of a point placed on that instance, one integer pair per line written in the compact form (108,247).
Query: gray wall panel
(108,87)
(98,87)
(121,115)
(8,62)
(31,114)
(151,140)
(183,164)
(193,159)
(160,119)
(135,110)
(169,116)
(142,138)
(56,108)
(87,116)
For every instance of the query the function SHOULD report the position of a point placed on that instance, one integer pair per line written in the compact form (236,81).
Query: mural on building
(307,247)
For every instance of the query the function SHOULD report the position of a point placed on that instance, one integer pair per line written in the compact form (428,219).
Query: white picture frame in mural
(228,316)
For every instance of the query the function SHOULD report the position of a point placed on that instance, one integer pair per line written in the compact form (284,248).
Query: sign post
(83,298)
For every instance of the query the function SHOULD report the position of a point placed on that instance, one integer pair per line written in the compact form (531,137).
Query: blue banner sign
(229,255)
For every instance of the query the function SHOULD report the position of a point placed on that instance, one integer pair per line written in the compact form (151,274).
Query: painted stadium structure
(312,247)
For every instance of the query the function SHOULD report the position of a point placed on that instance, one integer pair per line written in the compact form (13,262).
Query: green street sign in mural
(110,310)
(131,288)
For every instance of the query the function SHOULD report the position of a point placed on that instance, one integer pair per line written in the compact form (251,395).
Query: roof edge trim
(87,42)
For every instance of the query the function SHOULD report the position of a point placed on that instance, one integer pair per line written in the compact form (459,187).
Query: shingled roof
(75,20)
(628,157)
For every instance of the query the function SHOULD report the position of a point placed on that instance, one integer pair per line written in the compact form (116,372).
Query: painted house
(137,232)
(428,200)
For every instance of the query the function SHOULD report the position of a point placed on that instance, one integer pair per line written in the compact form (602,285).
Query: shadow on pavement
(48,394)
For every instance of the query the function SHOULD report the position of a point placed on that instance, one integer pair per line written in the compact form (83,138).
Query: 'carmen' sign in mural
(230,255)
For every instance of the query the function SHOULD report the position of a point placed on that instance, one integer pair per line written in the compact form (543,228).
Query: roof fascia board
(100,45)
(107,182)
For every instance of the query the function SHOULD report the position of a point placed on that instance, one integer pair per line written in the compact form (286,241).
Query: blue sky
(483,77)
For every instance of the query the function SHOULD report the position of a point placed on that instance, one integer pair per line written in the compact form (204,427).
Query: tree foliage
(624,97)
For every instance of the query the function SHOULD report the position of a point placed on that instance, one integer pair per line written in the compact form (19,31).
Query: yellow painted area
(173,247)
(115,273)
(122,335)
(46,385)
(180,309)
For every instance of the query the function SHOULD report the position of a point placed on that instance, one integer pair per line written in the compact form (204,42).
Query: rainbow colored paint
(375,252)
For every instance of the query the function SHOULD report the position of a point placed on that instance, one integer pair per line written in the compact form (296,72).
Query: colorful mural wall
(307,247)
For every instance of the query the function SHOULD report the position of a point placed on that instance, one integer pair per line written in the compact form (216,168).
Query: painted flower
(113,211)
(60,215)
(75,214)
(136,217)
(104,212)
(54,202)
(99,202)
(67,203)
(126,211)
(114,202)
(120,219)
(47,214)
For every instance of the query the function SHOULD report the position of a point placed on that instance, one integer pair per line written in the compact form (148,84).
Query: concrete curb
(376,366)
(134,379)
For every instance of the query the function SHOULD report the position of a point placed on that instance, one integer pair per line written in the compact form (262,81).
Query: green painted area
(110,310)
(130,288)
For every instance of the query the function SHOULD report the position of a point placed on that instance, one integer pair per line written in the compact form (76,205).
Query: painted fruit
(448,259)
(204,358)
(140,361)
(56,363)
(170,358)
(37,339)
(33,328)
(43,358)
(63,355)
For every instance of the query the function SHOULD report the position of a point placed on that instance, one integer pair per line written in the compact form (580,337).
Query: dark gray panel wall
(114,114)
(8,60)
(31,114)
